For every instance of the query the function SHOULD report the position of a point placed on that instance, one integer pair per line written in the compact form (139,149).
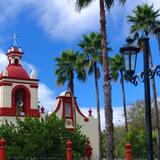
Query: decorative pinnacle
(14,37)
(90,112)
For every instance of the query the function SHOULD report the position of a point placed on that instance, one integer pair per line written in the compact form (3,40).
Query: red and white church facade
(19,98)
(18,90)
(67,108)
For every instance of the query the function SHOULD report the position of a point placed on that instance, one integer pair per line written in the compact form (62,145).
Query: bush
(41,138)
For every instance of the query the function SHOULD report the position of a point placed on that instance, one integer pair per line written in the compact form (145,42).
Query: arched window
(16,62)
(68,110)
(20,101)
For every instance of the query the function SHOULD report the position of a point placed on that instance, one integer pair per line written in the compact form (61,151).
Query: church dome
(17,72)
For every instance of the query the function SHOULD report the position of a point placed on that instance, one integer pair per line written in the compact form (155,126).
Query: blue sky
(46,28)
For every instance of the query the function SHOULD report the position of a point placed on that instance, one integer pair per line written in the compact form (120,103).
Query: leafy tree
(39,138)
(137,130)
(69,63)
(143,21)
(136,115)
(92,53)
(116,67)
(136,134)
(80,4)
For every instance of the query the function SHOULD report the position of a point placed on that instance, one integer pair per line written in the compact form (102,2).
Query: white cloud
(46,97)
(29,67)
(60,20)
(3,60)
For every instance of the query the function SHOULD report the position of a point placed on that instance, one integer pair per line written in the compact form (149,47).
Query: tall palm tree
(80,4)
(67,65)
(92,53)
(157,32)
(116,67)
(143,21)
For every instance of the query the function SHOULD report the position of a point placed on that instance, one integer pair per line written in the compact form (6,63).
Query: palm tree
(157,32)
(92,52)
(116,67)
(80,4)
(67,65)
(143,21)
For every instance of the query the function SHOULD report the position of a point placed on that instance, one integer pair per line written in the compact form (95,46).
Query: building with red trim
(18,90)
(67,108)
(19,98)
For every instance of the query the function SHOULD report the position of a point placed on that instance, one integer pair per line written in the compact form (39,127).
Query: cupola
(19,92)
(14,68)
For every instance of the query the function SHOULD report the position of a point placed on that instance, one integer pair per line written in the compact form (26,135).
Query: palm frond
(80,4)
(144,19)
(110,3)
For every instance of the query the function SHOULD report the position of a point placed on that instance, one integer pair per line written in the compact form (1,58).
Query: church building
(18,90)
(67,108)
(19,98)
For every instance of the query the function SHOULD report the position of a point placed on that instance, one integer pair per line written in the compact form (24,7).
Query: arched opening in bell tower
(21,100)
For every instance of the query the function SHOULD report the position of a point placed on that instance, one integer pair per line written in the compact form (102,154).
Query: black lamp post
(129,52)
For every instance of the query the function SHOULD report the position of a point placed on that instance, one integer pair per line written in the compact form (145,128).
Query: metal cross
(14,37)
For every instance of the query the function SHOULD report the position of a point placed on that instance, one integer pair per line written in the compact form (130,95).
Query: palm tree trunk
(106,87)
(124,101)
(98,108)
(156,115)
(158,39)
(71,88)
(71,85)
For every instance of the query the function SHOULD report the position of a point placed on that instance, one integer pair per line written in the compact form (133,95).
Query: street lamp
(131,51)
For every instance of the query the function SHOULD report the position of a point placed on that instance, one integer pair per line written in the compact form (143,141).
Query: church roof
(17,72)
(15,69)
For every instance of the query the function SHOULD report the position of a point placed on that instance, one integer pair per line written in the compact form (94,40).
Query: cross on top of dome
(14,37)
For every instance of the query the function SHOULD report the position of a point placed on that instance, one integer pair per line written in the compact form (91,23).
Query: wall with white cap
(90,129)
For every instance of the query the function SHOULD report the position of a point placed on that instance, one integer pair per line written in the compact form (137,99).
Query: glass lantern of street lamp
(129,53)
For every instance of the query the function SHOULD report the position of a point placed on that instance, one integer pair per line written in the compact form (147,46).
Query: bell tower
(18,90)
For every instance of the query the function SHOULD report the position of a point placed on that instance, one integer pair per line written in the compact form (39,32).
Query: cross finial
(14,37)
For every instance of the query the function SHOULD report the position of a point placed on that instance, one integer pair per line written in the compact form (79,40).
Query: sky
(46,28)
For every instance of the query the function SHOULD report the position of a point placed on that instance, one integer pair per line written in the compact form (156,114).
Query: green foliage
(69,63)
(39,138)
(137,138)
(80,4)
(137,130)
(143,19)
(136,134)
(92,51)
(116,66)
(136,115)
(119,141)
